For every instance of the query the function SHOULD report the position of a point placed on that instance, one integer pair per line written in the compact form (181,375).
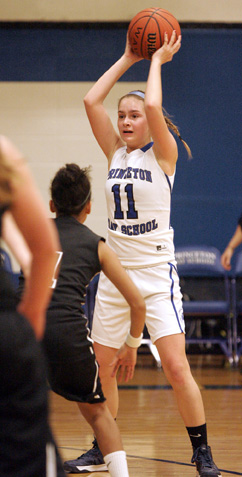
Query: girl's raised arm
(165,146)
(100,122)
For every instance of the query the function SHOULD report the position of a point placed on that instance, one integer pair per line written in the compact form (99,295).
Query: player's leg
(104,426)
(189,400)
(177,370)
(166,327)
(111,323)
(108,437)
(105,356)
(93,460)
(113,457)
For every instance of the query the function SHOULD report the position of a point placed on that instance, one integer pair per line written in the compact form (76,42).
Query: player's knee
(177,373)
(104,363)
(93,412)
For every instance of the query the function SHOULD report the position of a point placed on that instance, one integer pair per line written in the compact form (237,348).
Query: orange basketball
(146,30)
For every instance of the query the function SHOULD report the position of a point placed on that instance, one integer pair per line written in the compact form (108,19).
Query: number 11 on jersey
(131,212)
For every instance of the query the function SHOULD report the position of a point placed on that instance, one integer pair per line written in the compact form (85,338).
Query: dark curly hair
(71,189)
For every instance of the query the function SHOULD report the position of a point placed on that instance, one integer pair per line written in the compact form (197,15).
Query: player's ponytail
(175,129)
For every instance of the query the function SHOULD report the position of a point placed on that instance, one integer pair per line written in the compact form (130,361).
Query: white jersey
(138,195)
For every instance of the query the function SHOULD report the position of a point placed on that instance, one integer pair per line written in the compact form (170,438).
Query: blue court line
(223,386)
(231,472)
(215,387)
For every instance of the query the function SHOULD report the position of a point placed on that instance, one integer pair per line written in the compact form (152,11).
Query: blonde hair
(141,95)
(7,177)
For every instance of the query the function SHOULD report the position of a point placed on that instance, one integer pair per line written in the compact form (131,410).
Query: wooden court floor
(154,437)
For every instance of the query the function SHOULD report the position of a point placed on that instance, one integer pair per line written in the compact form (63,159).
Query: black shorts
(71,363)
(24,429)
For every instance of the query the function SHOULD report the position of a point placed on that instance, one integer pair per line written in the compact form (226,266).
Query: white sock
(117,464)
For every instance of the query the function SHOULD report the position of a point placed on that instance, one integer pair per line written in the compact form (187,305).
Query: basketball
(147,28)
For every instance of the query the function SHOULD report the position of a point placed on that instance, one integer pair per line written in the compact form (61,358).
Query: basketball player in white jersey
(141,167)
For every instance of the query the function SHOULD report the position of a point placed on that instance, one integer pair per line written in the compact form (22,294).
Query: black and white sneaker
(91,461)
(204,462)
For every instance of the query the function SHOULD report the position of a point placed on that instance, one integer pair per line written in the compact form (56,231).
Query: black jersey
(72,367)
(79,262)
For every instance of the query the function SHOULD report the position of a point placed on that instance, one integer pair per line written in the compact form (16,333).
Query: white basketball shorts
(159,285)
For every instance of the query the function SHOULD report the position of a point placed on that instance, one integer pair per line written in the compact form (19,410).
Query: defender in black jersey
(72,366)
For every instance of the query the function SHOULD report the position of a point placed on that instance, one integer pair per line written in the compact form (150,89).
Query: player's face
(132,123)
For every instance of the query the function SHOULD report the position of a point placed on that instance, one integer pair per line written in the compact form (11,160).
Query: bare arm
(30,215)
(101,124)
(235,241)
(126,356)
(165,146)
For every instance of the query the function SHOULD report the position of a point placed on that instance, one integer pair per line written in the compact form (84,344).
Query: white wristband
(133,342)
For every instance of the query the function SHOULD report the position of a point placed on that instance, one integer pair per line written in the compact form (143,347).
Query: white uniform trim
(50,460)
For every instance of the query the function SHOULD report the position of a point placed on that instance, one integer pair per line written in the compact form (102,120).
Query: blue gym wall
(202,91)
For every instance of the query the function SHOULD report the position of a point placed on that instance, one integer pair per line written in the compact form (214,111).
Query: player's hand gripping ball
(147,28)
